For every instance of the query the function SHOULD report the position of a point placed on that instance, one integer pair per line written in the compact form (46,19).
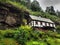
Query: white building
(39,22)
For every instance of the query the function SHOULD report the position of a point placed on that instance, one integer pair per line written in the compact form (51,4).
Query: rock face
(11,16)
(10,20)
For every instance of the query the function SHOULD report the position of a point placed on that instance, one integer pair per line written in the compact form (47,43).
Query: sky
(45,3)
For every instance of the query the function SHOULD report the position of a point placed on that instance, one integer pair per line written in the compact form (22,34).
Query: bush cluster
(25,35)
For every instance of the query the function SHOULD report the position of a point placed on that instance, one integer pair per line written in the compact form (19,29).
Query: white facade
(51,25)
(47,24)
(54,25)
(36,24)
(43,23)
(40,24)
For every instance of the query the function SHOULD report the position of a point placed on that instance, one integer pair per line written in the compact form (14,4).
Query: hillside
(24,9)
(13,16)
(24,35)
(43,14)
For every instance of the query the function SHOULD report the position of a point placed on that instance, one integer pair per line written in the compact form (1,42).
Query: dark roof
(40,19)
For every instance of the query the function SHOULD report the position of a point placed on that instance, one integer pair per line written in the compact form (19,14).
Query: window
(43,23)
(36,22)
(47,24)
(39,24)
(54,25)
(51,25)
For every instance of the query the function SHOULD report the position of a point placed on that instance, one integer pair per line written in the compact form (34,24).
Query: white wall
(54,25)
(51,25)
(33,23)
(47,24)
(38,24)
(43,23)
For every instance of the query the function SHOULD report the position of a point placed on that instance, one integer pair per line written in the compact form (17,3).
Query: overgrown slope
(24,35)
(43,14)
(11,15)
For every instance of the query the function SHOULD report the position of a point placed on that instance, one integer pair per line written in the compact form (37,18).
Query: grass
(8,31)
(19,5)
(8,41)
(36,43)
(44,40)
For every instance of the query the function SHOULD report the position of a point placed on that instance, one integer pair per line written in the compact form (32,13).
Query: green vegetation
(24,35)
(58,28)
(35,6)
(38,11)
(8,41)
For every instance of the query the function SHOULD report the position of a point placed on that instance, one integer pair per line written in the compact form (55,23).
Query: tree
(35,6)
(58,13)
(27,3)
(50,10)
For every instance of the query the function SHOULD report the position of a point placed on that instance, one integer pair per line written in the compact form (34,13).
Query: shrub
(21,37)
(36,43)
(58,29)
(34,34)
(9,35)
(1,36)
(23,34)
